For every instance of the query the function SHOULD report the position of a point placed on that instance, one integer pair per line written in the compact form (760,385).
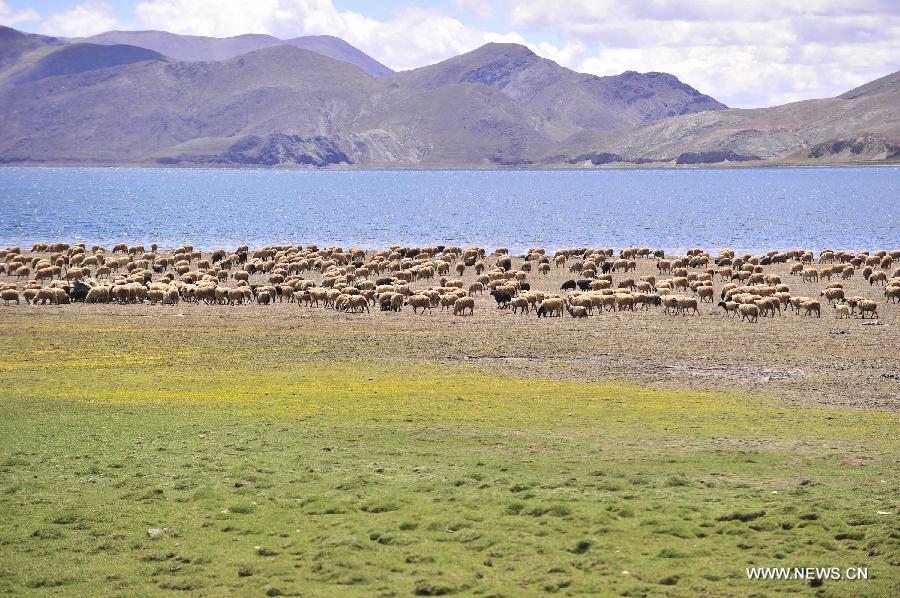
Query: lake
(746,209)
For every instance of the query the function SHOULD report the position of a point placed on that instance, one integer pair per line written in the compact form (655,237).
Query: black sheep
(569,285)
(501,297)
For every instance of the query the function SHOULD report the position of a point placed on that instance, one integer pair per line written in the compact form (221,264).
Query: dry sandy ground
(805,361)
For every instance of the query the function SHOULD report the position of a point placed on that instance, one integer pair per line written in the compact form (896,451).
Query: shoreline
(450,168)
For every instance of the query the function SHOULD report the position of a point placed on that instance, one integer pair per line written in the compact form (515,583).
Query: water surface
(747,209)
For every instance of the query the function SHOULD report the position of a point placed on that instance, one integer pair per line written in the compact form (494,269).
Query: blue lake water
(747,209)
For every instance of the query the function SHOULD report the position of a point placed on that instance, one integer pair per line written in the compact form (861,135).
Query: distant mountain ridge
(195,48)
(319,102)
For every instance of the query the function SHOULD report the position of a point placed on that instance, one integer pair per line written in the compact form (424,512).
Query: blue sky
(745,54)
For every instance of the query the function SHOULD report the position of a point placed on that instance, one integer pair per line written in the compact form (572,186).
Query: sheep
(687,303)
(749,312)
(892,293)
(358,303)
(624,302)
(502,297)
(7,295)
(664,266)
(462,304)
(705,292)
(833,294)
(419,301)
(97,295)
(867,307)
(45,297)
(728,307)
(841,311)
(551,307)
(812,306)
(476,288)
(878,277)
(520,303)
(577,311)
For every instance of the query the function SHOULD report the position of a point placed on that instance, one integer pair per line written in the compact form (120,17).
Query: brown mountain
(87,103)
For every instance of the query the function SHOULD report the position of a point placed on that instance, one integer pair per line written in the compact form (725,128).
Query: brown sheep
(812,306)
(687,303)
(867,307)
(7,295)
(578,311)
(519,303)
(749,312)
(419,301)
(553,306)
(462,304)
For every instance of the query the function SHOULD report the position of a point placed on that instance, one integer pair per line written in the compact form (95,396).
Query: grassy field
(287,464)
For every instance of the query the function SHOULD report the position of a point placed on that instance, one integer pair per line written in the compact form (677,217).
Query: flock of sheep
(421,279)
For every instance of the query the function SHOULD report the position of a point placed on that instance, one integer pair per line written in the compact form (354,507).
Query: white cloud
(11,18)
(412,37)
(743,53)
(89,18)
(482,9)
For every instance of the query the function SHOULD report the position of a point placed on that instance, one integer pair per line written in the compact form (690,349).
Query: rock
(154,531)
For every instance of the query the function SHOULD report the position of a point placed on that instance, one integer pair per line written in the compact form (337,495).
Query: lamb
(462,304)
(841,311)
(749,312)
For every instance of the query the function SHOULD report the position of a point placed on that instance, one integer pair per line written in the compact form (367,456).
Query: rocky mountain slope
(860,125)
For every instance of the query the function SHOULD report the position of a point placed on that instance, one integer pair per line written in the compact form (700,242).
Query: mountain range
(152,97)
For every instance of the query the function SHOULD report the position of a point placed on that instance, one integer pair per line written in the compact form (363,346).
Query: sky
(743,53)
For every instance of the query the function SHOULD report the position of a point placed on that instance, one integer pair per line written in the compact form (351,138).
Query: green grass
(272,465)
